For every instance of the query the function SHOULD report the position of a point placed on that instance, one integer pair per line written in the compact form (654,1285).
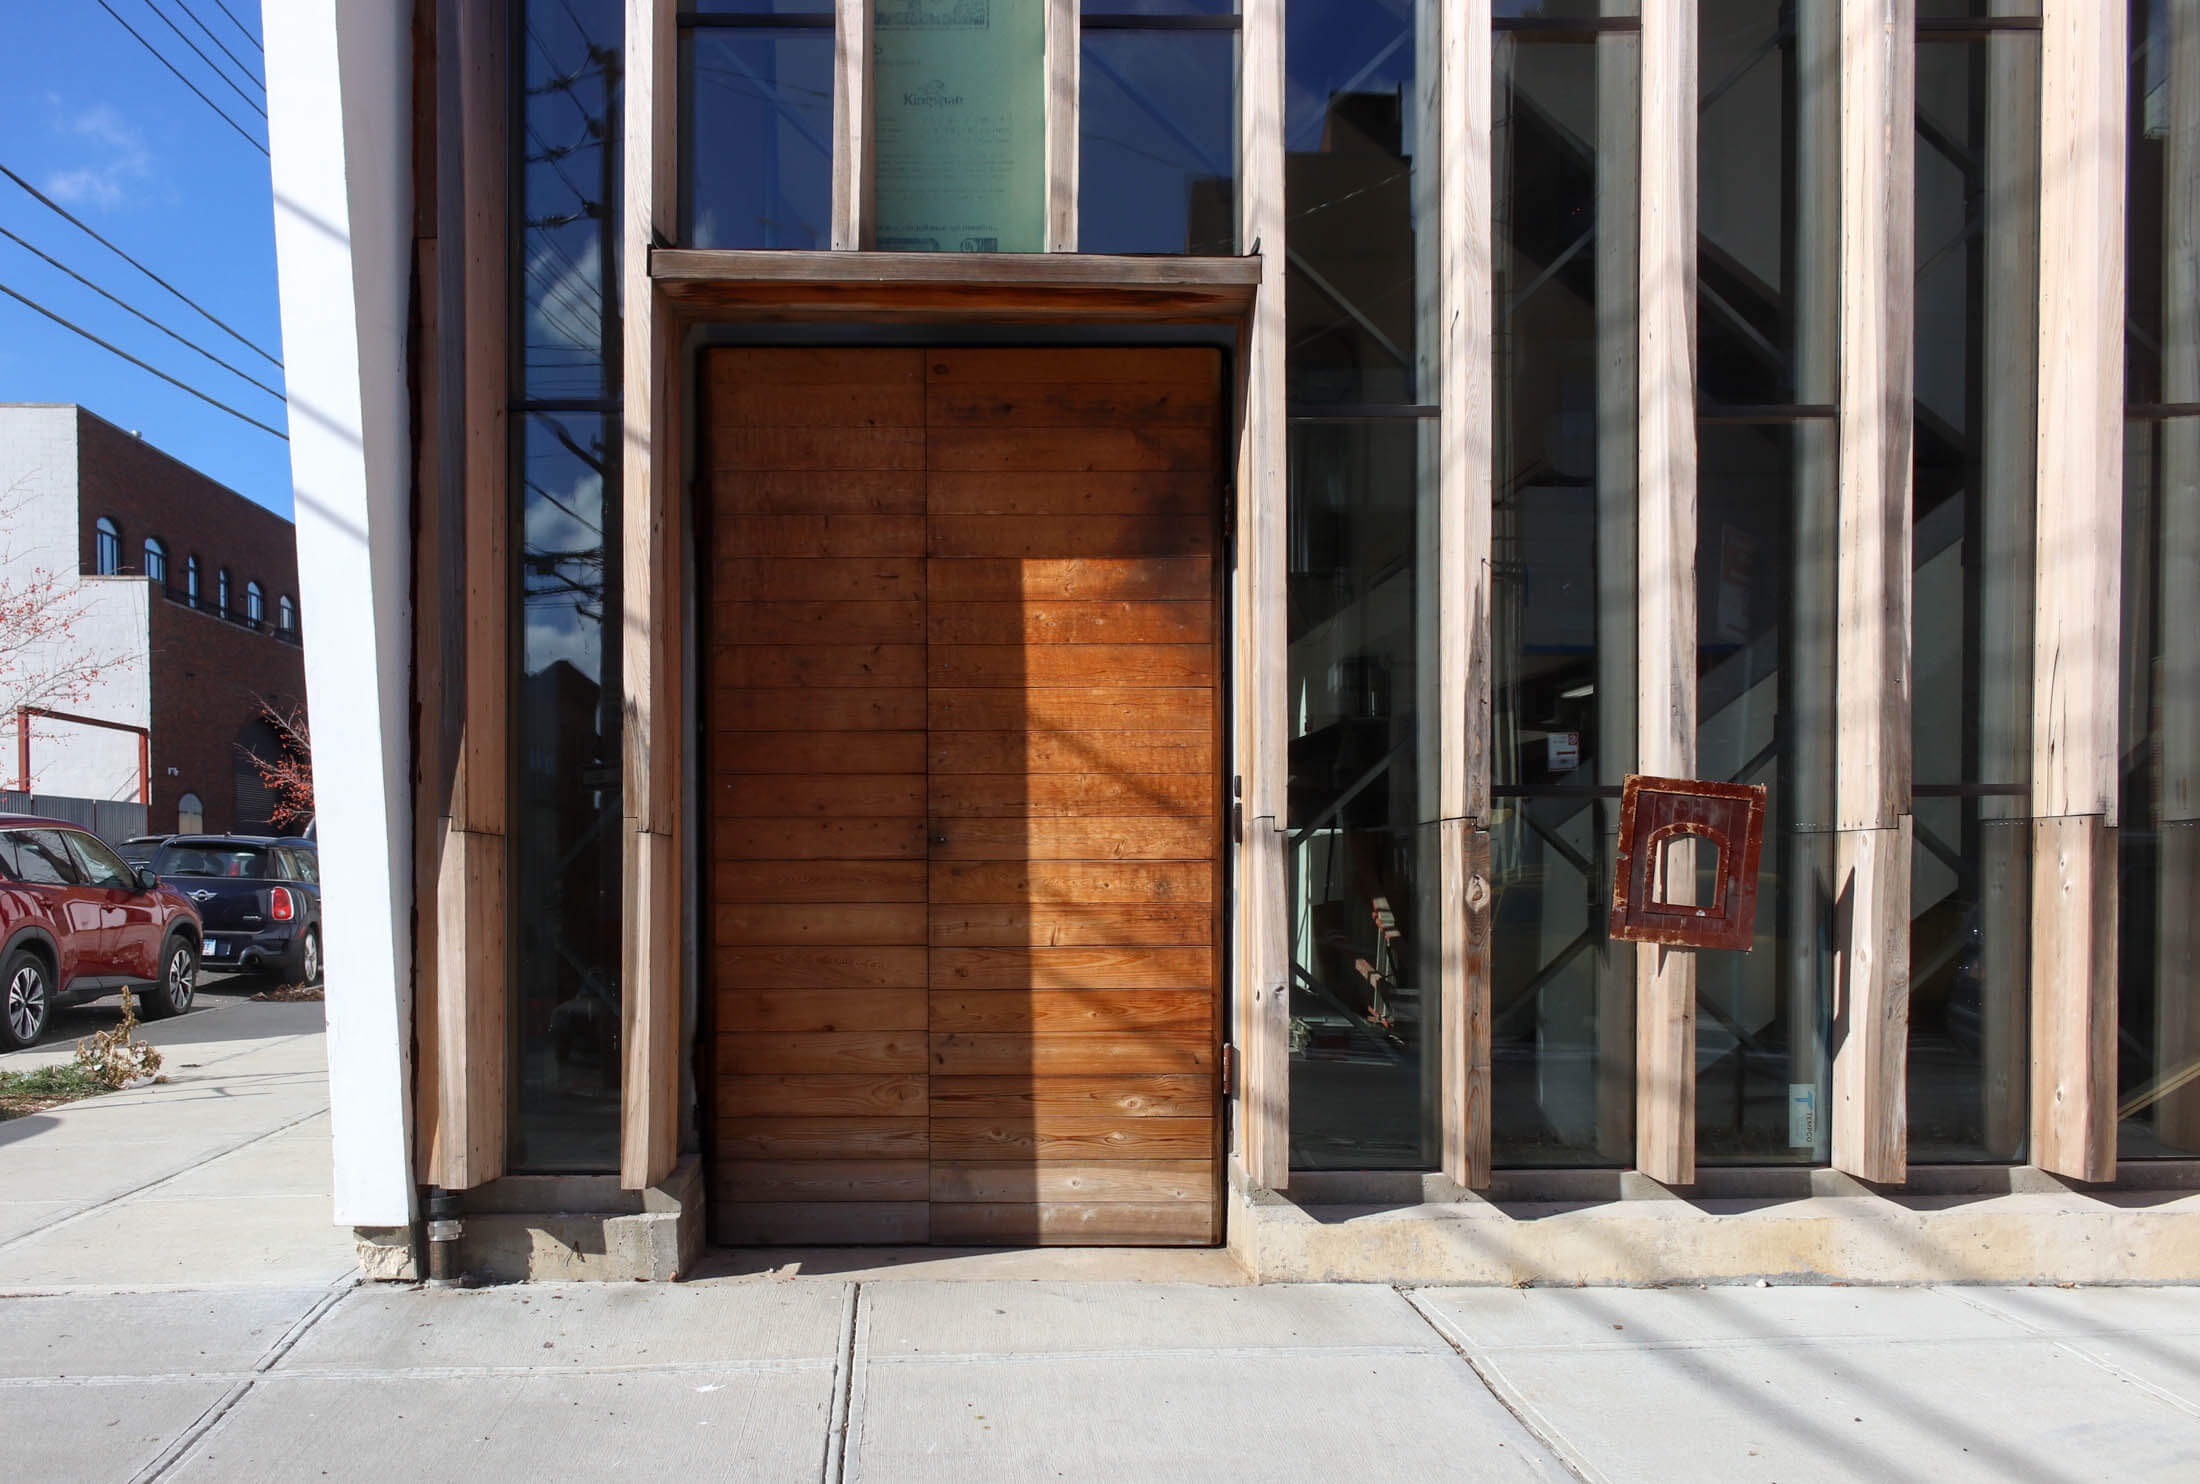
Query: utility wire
(78,222)
(194,87)
(249,75)
(141,314)
(212,65)
(133,360)
(225,10)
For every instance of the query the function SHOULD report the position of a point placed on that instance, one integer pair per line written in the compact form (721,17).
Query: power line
(249,75)
(194,87)
(133,360)
(211,64)
(79,223)
(247,35)
(141,314)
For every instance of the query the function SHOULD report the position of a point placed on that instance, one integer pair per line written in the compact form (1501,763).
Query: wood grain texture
(739,1223)
(1024,1099)
(831,1095)
(796,753)
(470,1031)
(826,709)
(953,665)
(983,1055)
(811,1138)
(2078,576)
(819,623)
(1073,579)
(851,924)
(1075,1224)
(873,579)
(1870,1092)
(1168,1180)
(816,492)
(843,795)
(1081,883)
(1878,254)
(784,839)
(1036,753)
(1086,492)
(785,1010)
(1070,404)
(1059,1011)
(840,967)
(783,666)
(872,882)
(1071,968)
(1049,1135)
(819,535)
(765,1053)
(1126,708)
(1083,838)
(1059,536)
(972,796)
(755,1180)
(1043,925)
(1069,623)
(853,187)
(2074,996)
(1062,69)
(1466,322)
(1467,897)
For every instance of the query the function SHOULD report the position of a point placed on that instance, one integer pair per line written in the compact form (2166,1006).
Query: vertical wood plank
(469,1039)
(1063,78)
(1465,1114)
(1872,1002)
(651,892)
(2077,587)
(1665,1077)
(852,177)
(1872,638)
(1262,962)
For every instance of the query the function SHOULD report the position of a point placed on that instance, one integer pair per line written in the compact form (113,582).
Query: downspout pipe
(446,1224)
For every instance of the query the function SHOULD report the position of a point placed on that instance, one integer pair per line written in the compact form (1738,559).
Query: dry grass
(45,1087)
(288,993)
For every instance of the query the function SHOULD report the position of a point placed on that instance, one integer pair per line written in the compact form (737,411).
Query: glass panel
(1362,1029)
(1156,160)
(568,248)
(2158,993)
(564,862)
(757,166)
(1562,10)
(958,114)
(1352,127)
(761,7)
(1768,256)
(1977,308)
(1976,9)
(1564,161)
(1159,7)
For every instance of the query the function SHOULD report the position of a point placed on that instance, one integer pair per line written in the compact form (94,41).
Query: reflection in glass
(958,125)
(1977,268)
(757,160)
(2158,942)
(565,850)
(1768,252)
(1353,121)
(1564,158)
(563,865)
(1156,159)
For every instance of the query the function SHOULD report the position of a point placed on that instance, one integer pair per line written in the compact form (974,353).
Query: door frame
(708,330)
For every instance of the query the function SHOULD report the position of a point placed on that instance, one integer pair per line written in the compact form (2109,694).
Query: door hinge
(1229,1070)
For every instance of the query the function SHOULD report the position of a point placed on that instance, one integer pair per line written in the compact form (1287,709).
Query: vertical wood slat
(1462,613)
(1665,1077)
(469,904)
(852,175)
(438,658)
(1261,1003)
(651,734)
(2078,587)
(1872,637)
(1063,79)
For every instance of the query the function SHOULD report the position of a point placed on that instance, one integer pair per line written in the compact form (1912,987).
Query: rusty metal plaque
(1664,826)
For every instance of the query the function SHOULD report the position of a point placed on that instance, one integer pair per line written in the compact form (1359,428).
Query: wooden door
(966,804)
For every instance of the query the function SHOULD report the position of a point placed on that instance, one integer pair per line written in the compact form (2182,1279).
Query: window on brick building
(191,581)
(107,548)
(254,606)
(156,561)
(221,592)
(286,613)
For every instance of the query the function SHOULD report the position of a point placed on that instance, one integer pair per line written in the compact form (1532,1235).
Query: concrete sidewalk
(175,1305)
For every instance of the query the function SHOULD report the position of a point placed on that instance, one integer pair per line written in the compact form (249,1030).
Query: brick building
(187,596)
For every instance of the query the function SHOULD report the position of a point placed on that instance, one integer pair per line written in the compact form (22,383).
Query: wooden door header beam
(956,286)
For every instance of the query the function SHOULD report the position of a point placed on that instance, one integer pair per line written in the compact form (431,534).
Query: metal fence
(111,819)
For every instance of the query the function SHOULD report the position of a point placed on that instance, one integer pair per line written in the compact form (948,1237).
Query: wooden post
(852,176)
(2177,792)
(2074,670)
(1872,647)
(1262,1003)
(651,890)
(1665,1056)
(1063,76)
(469,904)
(1462,616)
(1619,127)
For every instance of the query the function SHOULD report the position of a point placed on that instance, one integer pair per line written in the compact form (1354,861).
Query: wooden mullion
(1063,82)
(1665,1078)
(1872,681)
(2078,588)
(853,177)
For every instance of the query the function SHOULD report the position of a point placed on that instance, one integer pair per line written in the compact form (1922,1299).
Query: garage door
(964,795)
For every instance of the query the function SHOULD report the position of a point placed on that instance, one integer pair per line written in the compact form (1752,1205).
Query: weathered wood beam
(1872,639)
(1063,76)
(853,181)
(652,736)
(1665,1065)
(2077,588)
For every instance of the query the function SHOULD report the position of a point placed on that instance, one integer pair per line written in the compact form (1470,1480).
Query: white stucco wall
(339,111)
(39,525)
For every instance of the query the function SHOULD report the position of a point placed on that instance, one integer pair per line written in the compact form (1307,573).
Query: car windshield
(213,858)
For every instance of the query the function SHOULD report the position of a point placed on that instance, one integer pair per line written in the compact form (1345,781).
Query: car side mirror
(147,881)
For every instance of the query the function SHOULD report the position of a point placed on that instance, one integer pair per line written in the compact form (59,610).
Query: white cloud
(121,160)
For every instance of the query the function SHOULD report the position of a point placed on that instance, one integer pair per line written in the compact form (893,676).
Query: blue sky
(95,122)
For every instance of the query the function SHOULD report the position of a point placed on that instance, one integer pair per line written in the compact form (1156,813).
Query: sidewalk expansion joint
(835,1466)
(1522,1411)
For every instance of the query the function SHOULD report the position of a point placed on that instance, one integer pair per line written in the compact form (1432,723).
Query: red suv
(78,922)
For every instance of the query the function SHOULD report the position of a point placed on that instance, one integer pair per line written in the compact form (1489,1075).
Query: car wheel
(309,958)
(171,994)
(26,999)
